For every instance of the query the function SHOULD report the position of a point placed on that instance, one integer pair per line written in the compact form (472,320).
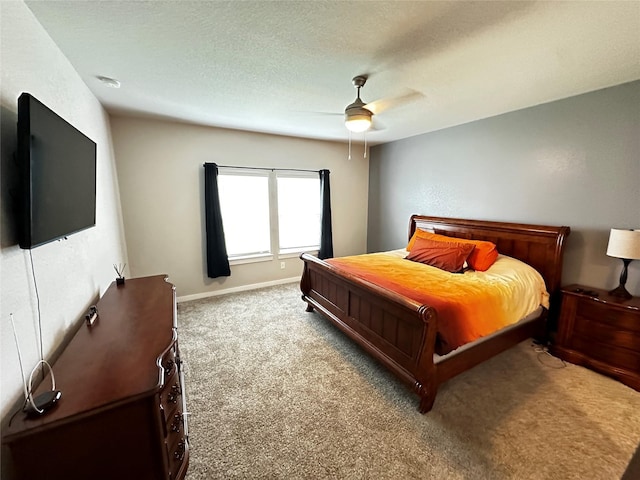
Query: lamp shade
(624,244)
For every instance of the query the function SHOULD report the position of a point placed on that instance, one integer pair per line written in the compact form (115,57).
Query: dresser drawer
(608,315)
(176,441)
(178,452)
(169,361)
(607,334)
(175,423)
(171,393)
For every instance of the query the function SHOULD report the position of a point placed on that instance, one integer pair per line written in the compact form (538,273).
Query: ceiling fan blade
(383,104)
(376,124)
(316,112)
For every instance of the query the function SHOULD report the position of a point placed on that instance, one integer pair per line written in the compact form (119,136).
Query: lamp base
(620,292)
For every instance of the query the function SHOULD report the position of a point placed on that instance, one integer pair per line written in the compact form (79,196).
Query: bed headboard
(541,246)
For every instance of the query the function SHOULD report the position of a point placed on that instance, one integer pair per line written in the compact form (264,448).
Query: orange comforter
(469,305)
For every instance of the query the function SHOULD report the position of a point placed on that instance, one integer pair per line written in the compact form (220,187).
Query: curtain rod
(265,168)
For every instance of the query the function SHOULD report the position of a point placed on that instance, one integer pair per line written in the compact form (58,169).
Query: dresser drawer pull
(179,453)
(174,394)
(177,423)
(168,367)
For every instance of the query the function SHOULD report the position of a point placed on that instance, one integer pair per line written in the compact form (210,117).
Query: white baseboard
(242,288)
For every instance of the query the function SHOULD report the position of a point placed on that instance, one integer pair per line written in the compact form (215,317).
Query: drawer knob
(177,423)
(168,367)
(180,449)
(174,393)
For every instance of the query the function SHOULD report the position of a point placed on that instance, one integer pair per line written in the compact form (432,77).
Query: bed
(402,333)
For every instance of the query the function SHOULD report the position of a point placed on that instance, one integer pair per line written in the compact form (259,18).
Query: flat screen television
(58,175)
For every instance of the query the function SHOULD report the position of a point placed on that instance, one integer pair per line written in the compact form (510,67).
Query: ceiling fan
(358,116)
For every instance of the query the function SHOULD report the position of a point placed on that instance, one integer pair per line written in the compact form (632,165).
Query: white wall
(70,274)
(161,181)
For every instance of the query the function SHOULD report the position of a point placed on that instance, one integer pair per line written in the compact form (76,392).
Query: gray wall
(572,162)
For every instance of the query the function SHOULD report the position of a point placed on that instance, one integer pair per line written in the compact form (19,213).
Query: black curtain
(217,259)
(326,236)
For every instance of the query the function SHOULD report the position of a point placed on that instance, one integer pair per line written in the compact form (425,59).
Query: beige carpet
(275,392)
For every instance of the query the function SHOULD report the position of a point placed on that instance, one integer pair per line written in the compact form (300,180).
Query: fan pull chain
(349,158)
(365,144)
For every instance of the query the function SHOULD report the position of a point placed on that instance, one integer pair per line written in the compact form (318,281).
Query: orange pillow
(481,258)
(449,256)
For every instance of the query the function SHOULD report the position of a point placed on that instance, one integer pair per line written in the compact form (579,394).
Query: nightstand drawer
(601,332)
(602,313)
(616,358)
(607,334)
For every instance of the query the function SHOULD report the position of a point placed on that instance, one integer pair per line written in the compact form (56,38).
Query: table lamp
(625,245)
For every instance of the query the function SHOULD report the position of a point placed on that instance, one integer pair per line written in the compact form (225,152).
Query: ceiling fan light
(358,123)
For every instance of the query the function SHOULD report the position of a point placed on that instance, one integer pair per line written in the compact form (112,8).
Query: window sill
(265,257)
(296,253)
(268,257)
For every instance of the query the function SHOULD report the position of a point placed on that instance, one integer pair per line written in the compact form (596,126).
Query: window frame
(274,227)
(295,251)
(262,173)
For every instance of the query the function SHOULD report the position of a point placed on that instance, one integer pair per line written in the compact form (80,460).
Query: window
(244,201)
(263,212)
(298,213)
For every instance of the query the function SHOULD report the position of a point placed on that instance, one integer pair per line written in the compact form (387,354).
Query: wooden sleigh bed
(401,333)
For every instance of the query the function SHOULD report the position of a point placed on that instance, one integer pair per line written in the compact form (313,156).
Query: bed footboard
(398,332)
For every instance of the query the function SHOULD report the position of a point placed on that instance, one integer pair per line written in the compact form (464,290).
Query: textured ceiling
(281,67)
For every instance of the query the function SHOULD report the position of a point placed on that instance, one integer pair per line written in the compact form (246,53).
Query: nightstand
(600,332)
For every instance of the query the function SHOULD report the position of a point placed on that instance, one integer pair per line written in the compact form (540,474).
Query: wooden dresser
(121,411)
(601,332)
